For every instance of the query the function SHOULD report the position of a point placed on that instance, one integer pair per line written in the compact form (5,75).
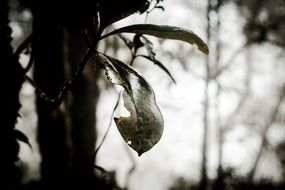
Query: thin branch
(108,129)
(57,100)
(219,89)
(30,63)
(264,133)
(23,45)
(229,62)
(126,41)
(101,169)
(156,6)
(242,100)
(160,65)
(132,168)
(204,176)
(183,63)
(278,43)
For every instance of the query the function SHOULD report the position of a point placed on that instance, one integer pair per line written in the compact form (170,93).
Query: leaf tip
(204,48)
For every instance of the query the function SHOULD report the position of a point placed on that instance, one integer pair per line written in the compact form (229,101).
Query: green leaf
(22,137)
(165,32)
(144,127)
(158,63)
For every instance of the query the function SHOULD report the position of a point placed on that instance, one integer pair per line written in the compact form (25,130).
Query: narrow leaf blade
(159,64)
(165,32)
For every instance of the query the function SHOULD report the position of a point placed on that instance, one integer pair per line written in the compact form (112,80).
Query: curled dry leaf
(144,127)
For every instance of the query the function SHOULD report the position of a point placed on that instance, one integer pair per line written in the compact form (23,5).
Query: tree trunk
(82,102)
(12,79)
(49,75)
(204,178)
(66,132)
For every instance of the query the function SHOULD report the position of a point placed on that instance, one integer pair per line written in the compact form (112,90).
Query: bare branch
(242,100)
(57,100)
(132,168)
(30,63)
(23,45)
(266,127)
(108,129)
(229,62)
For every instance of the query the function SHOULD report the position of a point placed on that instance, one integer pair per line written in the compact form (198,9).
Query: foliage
(143,129)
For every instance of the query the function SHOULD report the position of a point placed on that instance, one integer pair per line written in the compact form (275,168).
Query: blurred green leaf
(144,127)
(165,32)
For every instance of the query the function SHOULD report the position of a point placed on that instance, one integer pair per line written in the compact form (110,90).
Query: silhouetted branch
(23,45)
(218,92)
(132,168)
(126,41)
(30,63)
(57,100)
(108,129)
(101,169)
(156,6)
(244,95)
(204,176)
(266,127)
(229,62)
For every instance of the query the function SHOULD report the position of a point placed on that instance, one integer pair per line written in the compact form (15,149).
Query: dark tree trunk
(11,78)
(66,132)
(83,102)
(49,75)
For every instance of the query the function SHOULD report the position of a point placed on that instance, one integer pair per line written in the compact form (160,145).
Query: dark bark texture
(11,78)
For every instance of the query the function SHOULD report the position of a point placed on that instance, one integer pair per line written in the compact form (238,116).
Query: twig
(218,92)
(264,133)
(23,45)
(30,63)
(126,41)
(57,100)
(108,129)
(230,61)
(244,95)
(133,167)
(101,169)
(204,175)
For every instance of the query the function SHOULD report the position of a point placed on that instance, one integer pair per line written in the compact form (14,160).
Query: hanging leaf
(22,137)
(144,127)
(165,32)
(158,63)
